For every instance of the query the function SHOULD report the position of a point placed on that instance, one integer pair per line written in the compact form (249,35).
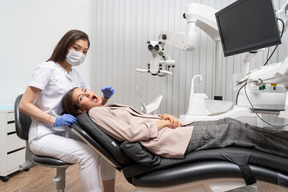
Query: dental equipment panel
(236,39)
(213,23)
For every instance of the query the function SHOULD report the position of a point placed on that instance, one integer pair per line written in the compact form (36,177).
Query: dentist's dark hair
(68,105)
(61,49)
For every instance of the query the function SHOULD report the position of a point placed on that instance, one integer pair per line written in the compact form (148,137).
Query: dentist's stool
(22,123)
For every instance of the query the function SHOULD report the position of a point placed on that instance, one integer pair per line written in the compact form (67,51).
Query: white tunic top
(54,82)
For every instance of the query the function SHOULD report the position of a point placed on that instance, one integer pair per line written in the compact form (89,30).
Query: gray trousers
(230,132)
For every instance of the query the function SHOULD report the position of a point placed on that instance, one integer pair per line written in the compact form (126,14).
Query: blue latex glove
(108,91)
(65,119)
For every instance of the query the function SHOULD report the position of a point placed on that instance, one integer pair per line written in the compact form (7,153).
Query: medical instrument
(152,107)
(155,66)
(197,15)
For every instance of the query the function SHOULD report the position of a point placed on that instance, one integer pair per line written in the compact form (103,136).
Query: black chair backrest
(22,121)
(98,135)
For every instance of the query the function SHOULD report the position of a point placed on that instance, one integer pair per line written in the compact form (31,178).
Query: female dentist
(41,100)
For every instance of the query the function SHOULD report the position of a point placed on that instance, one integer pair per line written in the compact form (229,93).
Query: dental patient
(164,135)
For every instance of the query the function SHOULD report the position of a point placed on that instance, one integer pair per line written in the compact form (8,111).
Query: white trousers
(74,150)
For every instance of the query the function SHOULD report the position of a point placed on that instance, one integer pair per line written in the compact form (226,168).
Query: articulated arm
(283,14)
(196,15)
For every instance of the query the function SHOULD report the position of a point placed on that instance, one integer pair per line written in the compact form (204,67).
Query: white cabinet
(12,148)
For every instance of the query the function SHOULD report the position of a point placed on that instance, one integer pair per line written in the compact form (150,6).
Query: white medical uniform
(54,82)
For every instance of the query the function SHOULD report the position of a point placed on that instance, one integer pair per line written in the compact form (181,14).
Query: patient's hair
(61,49)
(68,105)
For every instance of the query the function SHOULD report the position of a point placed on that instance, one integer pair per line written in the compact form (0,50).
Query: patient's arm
(121,130)
(163,123)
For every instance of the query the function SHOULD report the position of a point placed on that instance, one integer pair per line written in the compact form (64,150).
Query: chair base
(60,178)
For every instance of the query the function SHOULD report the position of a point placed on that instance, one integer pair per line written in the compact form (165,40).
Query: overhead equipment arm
(196,15)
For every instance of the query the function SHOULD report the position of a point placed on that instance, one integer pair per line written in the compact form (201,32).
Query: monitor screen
(247,25)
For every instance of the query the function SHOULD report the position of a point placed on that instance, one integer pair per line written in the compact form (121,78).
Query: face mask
(75,58)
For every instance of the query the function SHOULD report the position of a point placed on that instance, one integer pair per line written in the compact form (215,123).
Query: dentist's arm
(27,106)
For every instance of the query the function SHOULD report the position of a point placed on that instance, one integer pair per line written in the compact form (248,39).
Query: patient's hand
(173,121)
(163,123)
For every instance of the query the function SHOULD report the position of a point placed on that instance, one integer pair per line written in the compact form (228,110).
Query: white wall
(30,29)
(118,32)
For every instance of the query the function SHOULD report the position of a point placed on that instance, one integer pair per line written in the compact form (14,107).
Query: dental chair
(22,123)
(216,170)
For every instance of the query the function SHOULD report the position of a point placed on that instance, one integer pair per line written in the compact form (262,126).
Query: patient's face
(86,99)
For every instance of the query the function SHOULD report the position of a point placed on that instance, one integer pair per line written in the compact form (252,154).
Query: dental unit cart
(12,149)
